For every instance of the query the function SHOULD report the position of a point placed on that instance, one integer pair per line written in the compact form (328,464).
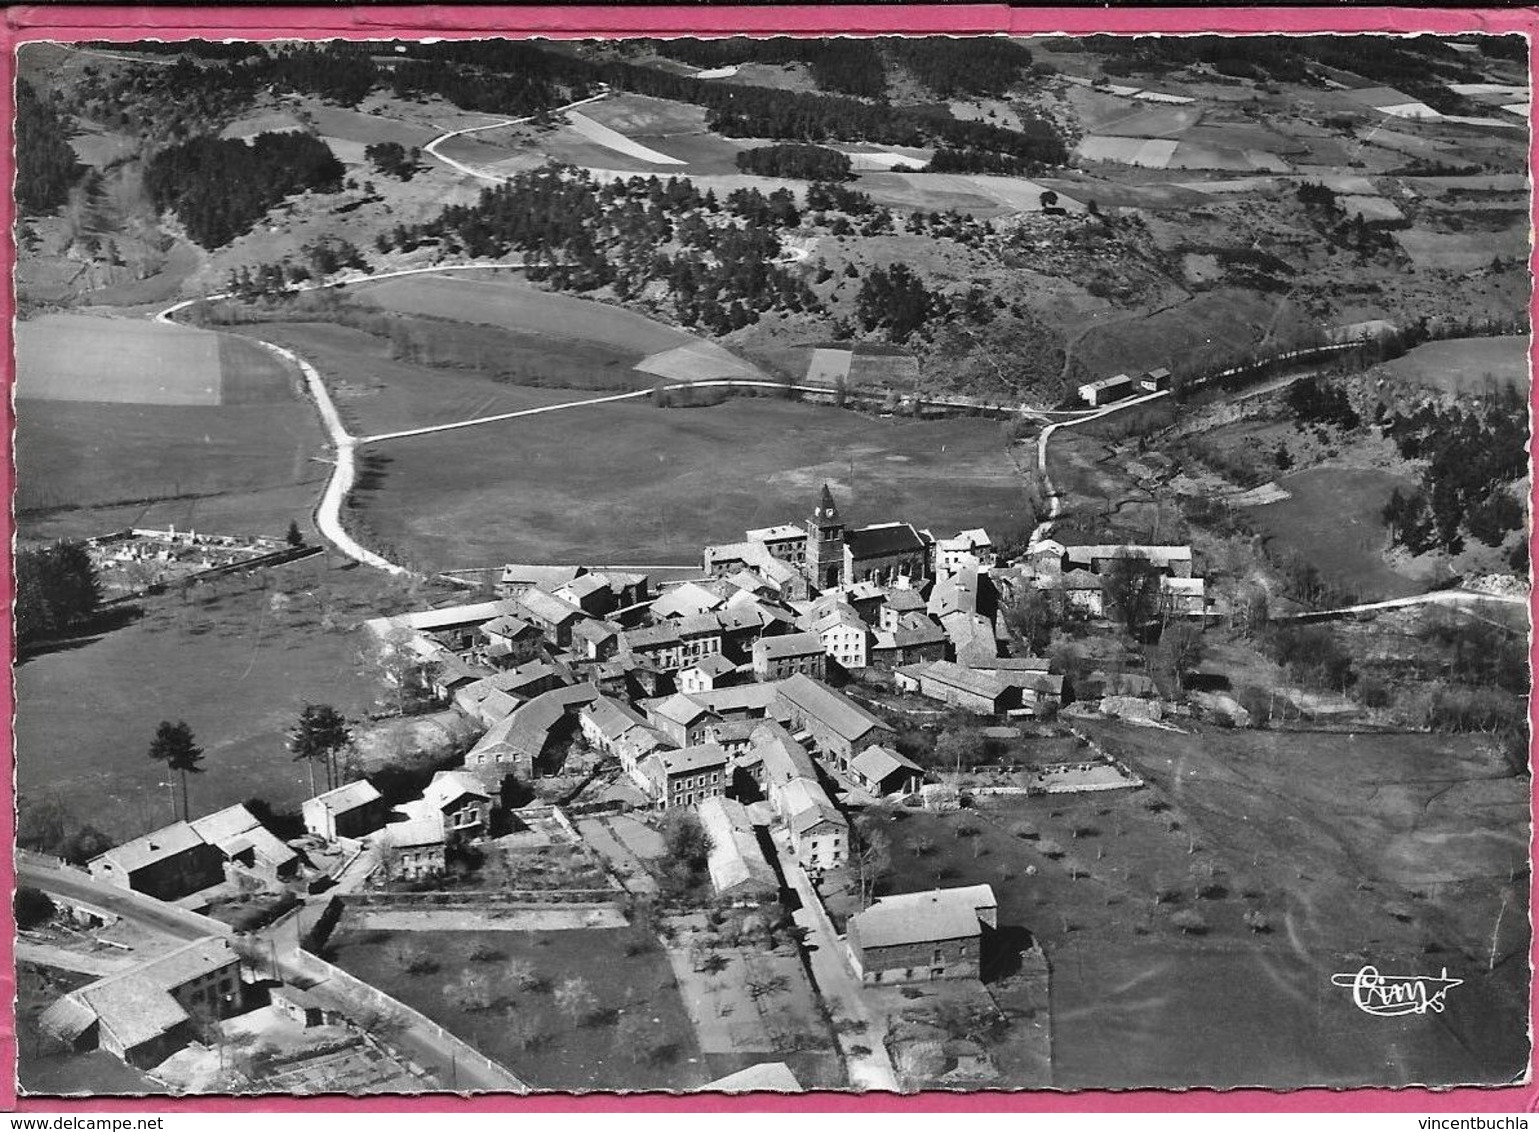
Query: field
(77,358)
(1465,365)
(570,1056)
(232,662)
(515,304)
(632,483)
(1384,849)
(1334,518)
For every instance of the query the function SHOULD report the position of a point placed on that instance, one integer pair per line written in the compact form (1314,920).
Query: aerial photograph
(756,565)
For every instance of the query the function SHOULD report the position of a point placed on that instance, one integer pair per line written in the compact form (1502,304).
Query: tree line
(945,66)
(220,187)
(46,165)
(56,589)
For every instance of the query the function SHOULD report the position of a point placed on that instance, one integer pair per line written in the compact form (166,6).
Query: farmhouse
(1173,560)
(686,777)
(775,658)
(699,636)
(913,639)
(882,771)
(348,811)
(1155,381)
(590,593)
(595,640)
(464,809)
(706,673)
(837,726)
(549,614)
(737,864)
(1107,389)
(516,743)
(1183,596)
(972,637)
(167,864)
(145,1014)
(248,847)
(415,842)
(510,641)
(518,578)
(966,688)
(918,936)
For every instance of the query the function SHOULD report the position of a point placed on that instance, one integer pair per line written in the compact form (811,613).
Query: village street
(865,1052)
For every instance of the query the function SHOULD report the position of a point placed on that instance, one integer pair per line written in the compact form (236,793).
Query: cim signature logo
(1389,996)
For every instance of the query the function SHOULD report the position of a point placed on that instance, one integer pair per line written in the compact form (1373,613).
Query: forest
(946,67)
(1475,455)
(717,257)
(220,187)
(802,162)
(46,166)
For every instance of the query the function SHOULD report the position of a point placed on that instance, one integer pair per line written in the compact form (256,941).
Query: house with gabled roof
(591,593)
(882,770)
(684,777)
(844,636)
(515,745)
(548,613)
(820,836)
(518,578)
(461,802)
(775,658)
(838,727)
(168,863)
(510,641)
(146,1013)
(352,810)
(685,600)
(658,645)
(682,718)
(705,673)
(919,936)
(249,848)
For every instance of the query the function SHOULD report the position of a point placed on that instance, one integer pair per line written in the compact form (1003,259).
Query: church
(885,553)
(829,555)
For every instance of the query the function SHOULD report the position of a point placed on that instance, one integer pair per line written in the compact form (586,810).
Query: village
(734,716)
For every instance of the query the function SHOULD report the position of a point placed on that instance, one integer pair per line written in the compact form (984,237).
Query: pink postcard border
(25,23)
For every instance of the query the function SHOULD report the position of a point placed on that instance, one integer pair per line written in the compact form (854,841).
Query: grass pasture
(514,304)
(1465,365)
(236,667)
(1333,518)
(629,482)
(358,126)
(376,393)
(625,968)
(80,358)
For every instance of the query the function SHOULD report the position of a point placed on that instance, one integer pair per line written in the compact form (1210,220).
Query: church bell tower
(825,543)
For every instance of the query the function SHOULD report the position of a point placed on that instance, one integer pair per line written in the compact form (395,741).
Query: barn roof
(922,917)
(841,715)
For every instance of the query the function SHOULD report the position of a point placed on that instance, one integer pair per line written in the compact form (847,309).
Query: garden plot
(365,128)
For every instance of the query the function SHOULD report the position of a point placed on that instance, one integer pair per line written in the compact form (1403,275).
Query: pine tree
(174,745)
(321,733)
